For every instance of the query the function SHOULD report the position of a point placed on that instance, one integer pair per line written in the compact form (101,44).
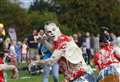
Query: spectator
(24,51)
(18,49)
(47,69)
(32,45)
(41,34)
(87,45)
(105,36)
(75,37)
(3,66)
(46,54)
(13,53)
(80,39)
(96,43)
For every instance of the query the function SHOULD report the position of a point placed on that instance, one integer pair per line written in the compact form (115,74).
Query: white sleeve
(117,51)
(6,67)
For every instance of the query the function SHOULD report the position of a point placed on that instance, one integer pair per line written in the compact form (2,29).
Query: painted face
(52,30)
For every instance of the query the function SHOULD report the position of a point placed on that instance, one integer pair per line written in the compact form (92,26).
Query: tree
(47,11)
(12,15)
(87,15)
(38,18)
(42,5)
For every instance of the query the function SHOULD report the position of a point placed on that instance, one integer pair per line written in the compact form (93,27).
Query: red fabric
(69,70)
(103,61)
(60,42)
(1,72)
(79,73)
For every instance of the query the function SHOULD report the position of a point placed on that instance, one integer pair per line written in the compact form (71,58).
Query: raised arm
(4,67)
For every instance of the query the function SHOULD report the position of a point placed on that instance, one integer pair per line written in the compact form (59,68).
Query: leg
(88,55)
(55,72)
(46,72)
(85,78)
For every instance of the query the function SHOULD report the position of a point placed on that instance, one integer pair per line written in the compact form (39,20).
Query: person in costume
(68,54)
(107,59)
(3,66)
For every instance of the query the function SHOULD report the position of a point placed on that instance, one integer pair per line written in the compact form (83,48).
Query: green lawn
(26,77)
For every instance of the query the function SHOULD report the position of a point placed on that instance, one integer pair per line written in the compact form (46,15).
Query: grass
(35,78)
(25,76)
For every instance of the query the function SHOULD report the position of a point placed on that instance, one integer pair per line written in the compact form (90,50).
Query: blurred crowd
(31,49)
(91,43)
(28,50)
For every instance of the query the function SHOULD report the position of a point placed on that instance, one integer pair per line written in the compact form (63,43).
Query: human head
(79,34)
(75,36)
(41,31)
(105,30)
(34,32)
(52,30)
(87,34)
(105,38)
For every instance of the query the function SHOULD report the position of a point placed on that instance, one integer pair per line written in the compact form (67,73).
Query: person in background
(75,37)
(88,47)
(3,65)
(80,39)
(105,35)
(13,53)
(41,34)
(32,45)
(24,51)
(45,55)
(18,49)
(96,42)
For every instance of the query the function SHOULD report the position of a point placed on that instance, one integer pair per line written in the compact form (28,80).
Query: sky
(25,3)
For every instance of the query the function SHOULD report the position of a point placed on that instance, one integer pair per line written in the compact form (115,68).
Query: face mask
(52,30)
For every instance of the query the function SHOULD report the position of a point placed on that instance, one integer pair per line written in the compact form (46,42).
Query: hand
(44,62)
(33,63)
(65,80)
(39,62)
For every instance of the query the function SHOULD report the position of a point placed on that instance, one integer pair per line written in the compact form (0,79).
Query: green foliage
(42,12)
(89,15)
(25,76)
(66,30)
(11,14)
(39,18)
(41,5)
(71,16)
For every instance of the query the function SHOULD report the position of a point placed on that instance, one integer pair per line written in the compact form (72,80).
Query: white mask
(52,30)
